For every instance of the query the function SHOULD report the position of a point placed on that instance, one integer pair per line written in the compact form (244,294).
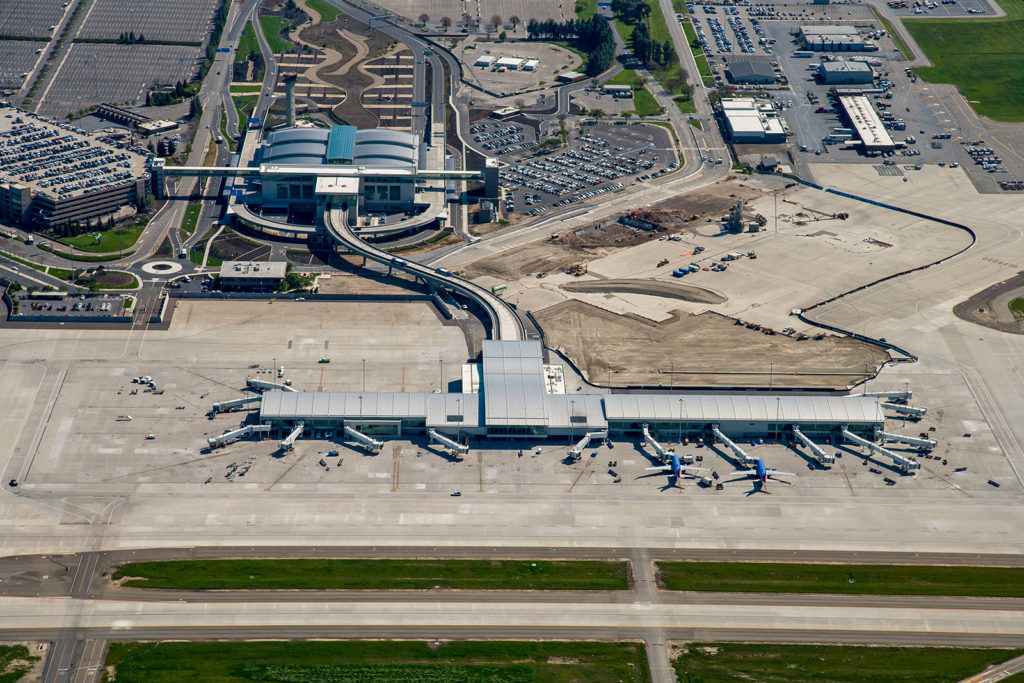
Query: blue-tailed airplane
(675,468)
(762,473)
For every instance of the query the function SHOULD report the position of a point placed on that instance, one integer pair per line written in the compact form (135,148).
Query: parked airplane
(762,473)
(675,468)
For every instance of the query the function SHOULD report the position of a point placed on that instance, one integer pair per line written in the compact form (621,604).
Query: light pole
(771,373)
(440,377)
(364,377)
(572,411)
(680,439)
(671,373)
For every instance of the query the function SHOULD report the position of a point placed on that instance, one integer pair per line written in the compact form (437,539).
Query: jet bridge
(289,441)
(227,406)
(664,454)
(911,411)
(263,385)
(737,451)
(371,444)
(437,437)
(577,450)
(819,453)
(910,440)
(901,461)
(902,395)
(236,434)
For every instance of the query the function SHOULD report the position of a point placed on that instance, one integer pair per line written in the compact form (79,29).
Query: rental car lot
(601,158)
(30,18)
(17,57)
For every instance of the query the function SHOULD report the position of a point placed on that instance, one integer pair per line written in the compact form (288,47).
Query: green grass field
(327,12)
(698,54)
(244,105)
(1017,308)
(585,9)
(644,103)
(782,663)
(984,58)
(378,574)
(836,578)
(685,104)
(696,124)
(107,241)
(378,661)
(272,27)
(247,43)
(191,218)
(82,258)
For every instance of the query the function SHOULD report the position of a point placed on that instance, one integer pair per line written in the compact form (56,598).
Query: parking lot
(600,158)
(730,30)
(17,57)
(84,307)
(503,138)
(30,18)
(95,72)
(940,9)
(181,21)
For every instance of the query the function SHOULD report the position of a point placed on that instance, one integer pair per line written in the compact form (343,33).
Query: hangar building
(514,400)
(842,72)
(746,71)
(836,38)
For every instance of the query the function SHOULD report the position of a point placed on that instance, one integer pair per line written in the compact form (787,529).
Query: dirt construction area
(699,350)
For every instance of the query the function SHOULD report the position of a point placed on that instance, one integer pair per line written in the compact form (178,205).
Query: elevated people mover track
(505,324)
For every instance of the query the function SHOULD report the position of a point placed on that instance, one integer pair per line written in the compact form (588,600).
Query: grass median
(782,663)
(371,660)
(324,574)
(869,579)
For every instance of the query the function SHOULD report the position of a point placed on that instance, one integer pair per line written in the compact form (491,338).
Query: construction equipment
(576,269)
(817,214)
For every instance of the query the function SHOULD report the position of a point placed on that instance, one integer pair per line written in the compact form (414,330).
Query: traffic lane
(111,592)
(108,614)
(602,633)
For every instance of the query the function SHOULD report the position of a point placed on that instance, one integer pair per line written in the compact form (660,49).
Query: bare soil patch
(703,350)
(670,290)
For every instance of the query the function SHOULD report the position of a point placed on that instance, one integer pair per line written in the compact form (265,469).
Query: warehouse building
(835,38)
(52,173)
(842,72)
(513,398)
(747,71)
(864,120)
(749,122)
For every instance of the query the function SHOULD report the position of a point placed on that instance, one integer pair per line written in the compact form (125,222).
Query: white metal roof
(438,410)
(513,383)
(743,408)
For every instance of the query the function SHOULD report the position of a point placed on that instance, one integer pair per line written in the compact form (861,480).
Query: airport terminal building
(513,397)
(292,159)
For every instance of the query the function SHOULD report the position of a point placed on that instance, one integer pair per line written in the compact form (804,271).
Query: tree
(424,18)
(502,36)
(446,23)
(668,53)
(515,21)
(496,22)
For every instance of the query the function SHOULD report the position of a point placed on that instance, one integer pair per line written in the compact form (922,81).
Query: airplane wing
(745,472)
(772,473)
(691,467)
(659,468)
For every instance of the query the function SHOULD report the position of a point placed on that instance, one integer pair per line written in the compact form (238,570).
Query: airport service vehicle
(762,473)
(675,468)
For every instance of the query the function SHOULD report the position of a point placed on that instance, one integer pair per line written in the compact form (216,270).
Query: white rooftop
(252,270)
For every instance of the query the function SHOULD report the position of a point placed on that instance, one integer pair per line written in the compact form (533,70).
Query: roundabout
(161,268)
